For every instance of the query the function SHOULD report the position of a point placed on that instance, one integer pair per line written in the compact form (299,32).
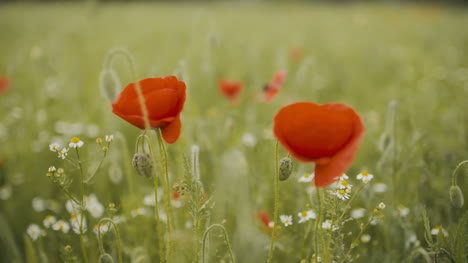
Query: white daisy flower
(365,238)
(305,216)
(249,140)
(306,178)
(54,147)
(381,206)
(33,231)
(435,231)
(342,194)
(49,221)
(343,184)
(52,169)
(109,138)
(39,204)
(358,213)
(61,226)
(286,220)
(72,207)
(140,212)
(63,153)
(380,188)
(75,221)
(75,142)
(344,177)
(95,208)
(327,224)
(403,211)
(365,176)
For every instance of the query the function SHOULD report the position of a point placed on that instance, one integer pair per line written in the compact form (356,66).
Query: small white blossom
(39,204)
(75,142)
(365,238)
(305,216)
(306,178)
(72,207)
(271,224)
(5,192)
(435,231)
(54,147)
(34,231)
(343,184)
(52,169)
(49,221)
(75,220)
(342,194)
(104,227)
(286,220)
(327,224)
(403,211)
(140,211)
(365,176)
(344,177)
(94,207)
(358,213)
(63,153)
(249,140)
(149,200)
(380,188)
(381,206)
(61,226)
(109,138)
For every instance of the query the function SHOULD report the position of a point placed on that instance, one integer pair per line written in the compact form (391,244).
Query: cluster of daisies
(77,221)
(76,142)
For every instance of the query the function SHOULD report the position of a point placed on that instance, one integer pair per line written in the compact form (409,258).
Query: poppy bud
(285,169)
(456,196)
(109,82)
(106,258)
(143,164)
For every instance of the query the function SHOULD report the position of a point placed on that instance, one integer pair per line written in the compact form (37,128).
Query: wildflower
(358,213)
(305,216)
(4,84)
(109,138)
(249,140)
(306,178)
(98,140)
(54,147)
(341,194)
(75,220)
(343,177)
(365,238)
(33,231)
(343,184)
(75,142)
(104,228)
(164,100)
(52,169)
(403,211)
(61,226)
(381,206)
(72,207)
(435,231)
(39,204)
(63,153)
(274,86)
(286,220)
(230,89)
(176,200)
(149,200)
(139,211)
(364,176)
(380,188)
(5,192)
(94,207)
(327,224)
(327,135)
(265,219)
(49,221)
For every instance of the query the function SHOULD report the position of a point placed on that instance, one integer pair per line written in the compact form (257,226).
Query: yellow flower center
(304,213)
(341,192)
(75,140)
(73,216)
(364,173)
(306,175)
(344,183)
(437,227)
(49,217)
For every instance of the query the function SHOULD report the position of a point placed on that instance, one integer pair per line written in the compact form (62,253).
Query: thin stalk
(226,239)
(167,192)
(348,205)
(454,175)
(117,235)
(276,206)
(82,191)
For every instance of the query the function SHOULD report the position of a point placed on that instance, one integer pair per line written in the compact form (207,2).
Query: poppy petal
(171,132)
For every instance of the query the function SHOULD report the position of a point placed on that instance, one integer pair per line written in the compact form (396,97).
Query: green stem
(454,175)
(117,235)
(276,206)
(226,239)
(356,239)
(318,232)
(167,192)
(82,191)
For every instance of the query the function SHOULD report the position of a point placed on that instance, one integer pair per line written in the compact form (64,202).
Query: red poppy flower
(264,218)
(230,89)
(273,88)
(4,84)
(164,100)
(327,135)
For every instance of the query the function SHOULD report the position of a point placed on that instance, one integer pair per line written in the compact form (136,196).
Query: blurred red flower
(327,135)
(4,84)
(265,219)
(164,100)
(274,86)
(230,89)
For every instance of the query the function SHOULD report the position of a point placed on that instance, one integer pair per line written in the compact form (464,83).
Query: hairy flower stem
(276,206)
(226,239)
(117,235)
(454,175)
(318,233)
(156,204)
(82,191)
(167,192)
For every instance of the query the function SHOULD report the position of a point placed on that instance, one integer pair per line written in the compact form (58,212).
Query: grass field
(403,68)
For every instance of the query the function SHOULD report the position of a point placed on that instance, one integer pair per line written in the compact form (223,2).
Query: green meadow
(402,67)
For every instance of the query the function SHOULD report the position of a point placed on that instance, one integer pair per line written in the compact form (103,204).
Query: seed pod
(285,169)
(143,164)
(106,258)
(456,196)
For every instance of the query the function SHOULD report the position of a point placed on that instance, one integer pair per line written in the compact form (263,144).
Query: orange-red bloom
(164,100)
(4,84)
(273,88)
(265,219)
(327,135)
(230,89)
